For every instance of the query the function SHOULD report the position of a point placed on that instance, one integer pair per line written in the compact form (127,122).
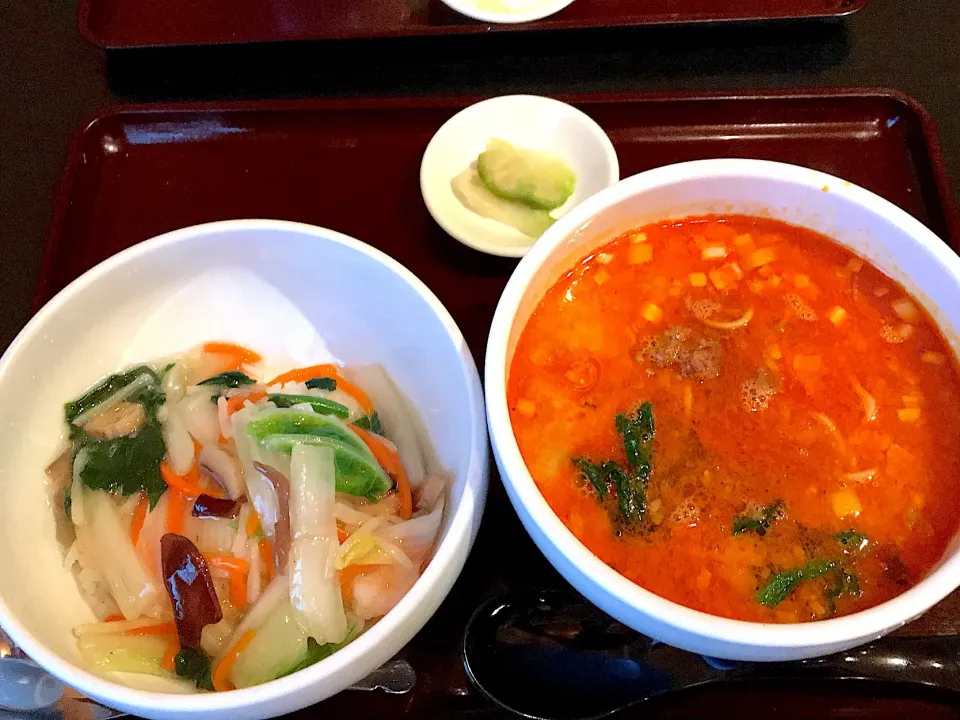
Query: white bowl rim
(462,519)
(874,621)
(507,18)
(513,251)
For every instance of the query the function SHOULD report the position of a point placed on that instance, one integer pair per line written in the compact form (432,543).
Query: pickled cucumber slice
(470,190)
(536,179)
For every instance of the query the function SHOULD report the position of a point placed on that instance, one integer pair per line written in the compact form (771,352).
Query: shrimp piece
(376,590)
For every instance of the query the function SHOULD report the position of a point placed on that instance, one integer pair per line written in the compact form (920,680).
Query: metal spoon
(553,656)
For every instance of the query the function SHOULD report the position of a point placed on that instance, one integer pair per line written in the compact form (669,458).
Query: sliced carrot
(252,524)
(306,373)
(176,509)
(236,402)
(266,558)
(189,484)
(341,534)
(361,397)
(139,515)
(237,569)
(221,671)
(325,370)
(240,354)
(390,461)
(167,662)
(167,628)
(238,589)
(116,617)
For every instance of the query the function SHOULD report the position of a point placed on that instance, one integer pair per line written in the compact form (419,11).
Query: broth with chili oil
(743,417)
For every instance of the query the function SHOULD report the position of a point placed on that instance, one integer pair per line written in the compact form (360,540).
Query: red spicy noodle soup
(743,417)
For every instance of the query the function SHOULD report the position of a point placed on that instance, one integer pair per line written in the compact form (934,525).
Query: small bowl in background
(507,11)
(524,121)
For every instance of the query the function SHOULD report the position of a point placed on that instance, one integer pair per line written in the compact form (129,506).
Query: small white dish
(507,11)
(525,121)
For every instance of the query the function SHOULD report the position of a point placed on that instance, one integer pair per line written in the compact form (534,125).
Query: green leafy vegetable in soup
(780,585)
(630,487)
(852,541)
(759,520)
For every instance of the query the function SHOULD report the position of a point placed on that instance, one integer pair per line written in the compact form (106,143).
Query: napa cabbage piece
(276,649)
(394,416)
(116,652)
(105,535)
(314,579)
(357,471)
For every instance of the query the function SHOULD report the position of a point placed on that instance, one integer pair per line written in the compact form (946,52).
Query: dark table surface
(50,80)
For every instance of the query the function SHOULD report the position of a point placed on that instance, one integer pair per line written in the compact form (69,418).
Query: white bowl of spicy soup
(723,398)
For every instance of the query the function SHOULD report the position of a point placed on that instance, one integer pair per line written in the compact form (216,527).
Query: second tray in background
(129,23)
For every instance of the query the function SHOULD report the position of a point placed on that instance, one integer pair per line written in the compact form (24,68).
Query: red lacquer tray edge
(74,157)
(467,28)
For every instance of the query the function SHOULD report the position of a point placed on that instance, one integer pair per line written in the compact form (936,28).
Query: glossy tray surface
(146,23)
(353,166)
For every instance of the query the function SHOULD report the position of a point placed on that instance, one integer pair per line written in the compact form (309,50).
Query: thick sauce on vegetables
(743,417)
(229,529)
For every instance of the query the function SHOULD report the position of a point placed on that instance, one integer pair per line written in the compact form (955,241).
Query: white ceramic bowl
(525,121)
(507,11)
(872,227)
(281,288)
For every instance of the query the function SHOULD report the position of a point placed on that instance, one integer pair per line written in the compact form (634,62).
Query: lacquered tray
(148,23)
(135,172)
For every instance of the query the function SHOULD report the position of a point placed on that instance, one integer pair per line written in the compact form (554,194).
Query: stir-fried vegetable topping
(116,440)
(212,507)
(322,383)
(125,465)
(371,423)
(231,542)
(324,406)
(315,653)
(229,379)
(193,664)
(141,384)
(190,587)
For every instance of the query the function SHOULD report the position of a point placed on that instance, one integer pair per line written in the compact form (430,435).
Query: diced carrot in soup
(809,423)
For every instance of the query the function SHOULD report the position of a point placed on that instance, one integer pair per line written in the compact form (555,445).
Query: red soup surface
(743,417)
